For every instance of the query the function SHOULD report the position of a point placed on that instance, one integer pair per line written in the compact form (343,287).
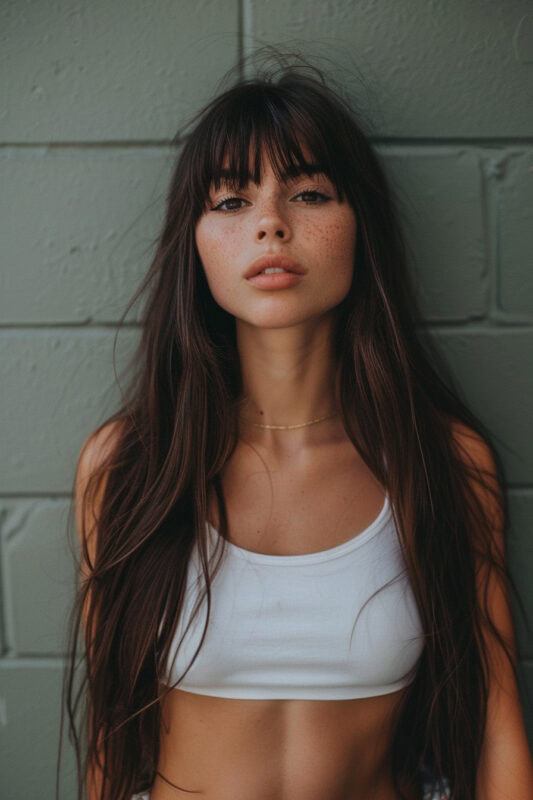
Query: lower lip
(275,280)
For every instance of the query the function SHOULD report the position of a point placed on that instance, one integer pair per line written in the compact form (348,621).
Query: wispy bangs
(257,119)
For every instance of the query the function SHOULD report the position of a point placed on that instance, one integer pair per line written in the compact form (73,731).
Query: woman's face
(300,218)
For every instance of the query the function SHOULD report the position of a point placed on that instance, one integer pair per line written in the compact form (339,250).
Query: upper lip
(274,260)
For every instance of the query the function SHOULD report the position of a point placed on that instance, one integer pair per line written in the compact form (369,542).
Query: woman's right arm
(94,450)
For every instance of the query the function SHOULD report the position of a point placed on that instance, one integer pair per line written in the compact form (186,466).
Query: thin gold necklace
(299,425)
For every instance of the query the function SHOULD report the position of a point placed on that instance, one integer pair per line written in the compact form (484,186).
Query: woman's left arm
(505,769)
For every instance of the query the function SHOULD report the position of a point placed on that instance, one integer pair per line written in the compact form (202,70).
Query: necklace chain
(299,425)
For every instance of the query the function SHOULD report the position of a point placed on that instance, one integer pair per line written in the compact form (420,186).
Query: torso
(236,749)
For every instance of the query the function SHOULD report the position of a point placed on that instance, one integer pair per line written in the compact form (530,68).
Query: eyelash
(232,197)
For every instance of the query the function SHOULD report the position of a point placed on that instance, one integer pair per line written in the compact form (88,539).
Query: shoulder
(94,453)
(482,471)
(473,449)
(97,447)
(471,444)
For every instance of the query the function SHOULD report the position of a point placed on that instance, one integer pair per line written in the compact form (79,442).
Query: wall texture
(90,97)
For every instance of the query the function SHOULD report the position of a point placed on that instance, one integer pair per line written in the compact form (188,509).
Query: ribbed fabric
(285,626)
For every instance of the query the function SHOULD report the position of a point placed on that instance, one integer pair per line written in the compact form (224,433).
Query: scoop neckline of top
(318,555)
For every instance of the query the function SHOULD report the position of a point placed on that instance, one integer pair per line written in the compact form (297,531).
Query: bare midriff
(235,749)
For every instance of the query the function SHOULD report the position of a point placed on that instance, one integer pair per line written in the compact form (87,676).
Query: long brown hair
(177,427)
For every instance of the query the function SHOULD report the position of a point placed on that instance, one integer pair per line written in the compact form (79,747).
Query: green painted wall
(91,96)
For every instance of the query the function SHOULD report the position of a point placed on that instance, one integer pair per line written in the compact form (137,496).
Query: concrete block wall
(91,96)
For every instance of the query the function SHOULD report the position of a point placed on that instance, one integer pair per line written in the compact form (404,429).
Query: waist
(283,748)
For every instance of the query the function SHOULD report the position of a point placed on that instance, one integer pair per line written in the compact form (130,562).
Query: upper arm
(478,456)
(506,767)
(88,499)
(88,495)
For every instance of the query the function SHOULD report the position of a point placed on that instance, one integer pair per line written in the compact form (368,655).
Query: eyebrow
(292,172)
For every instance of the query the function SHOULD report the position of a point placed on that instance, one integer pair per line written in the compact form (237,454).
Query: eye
(322,198)
(227,200)
(313,192)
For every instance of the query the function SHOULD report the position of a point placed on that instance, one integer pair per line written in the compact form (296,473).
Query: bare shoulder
(478,456)
(97,447)
(473,447)
(470,441)
(94,452)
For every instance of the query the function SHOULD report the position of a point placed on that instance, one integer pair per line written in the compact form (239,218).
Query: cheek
(217,250)
(335,241)
(208,243)
(211,245)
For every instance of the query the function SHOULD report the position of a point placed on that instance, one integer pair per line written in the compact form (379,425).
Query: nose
(272,224)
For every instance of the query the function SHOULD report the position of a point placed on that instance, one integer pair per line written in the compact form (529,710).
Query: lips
(274,261)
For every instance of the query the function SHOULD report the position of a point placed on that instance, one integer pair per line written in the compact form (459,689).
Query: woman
(292,531)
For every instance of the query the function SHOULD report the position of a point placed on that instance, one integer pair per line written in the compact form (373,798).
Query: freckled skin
(272,217)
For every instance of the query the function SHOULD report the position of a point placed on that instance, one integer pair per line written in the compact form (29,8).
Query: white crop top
(285,626)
